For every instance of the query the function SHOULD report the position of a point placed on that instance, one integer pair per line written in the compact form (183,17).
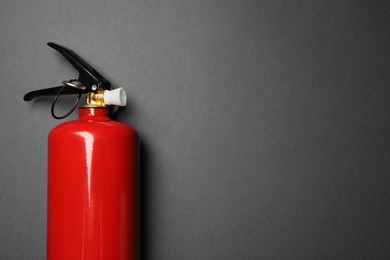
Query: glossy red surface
(92,173)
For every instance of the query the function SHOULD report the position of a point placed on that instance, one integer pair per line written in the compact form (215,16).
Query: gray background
(264,124)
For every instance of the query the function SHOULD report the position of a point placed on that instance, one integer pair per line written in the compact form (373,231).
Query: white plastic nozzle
(115,97)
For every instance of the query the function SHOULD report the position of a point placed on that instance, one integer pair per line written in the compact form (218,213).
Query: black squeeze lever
(89,79)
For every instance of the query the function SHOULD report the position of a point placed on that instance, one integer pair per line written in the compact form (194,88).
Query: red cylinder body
(92,189)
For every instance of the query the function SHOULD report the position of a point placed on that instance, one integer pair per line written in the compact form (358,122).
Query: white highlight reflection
(88,139)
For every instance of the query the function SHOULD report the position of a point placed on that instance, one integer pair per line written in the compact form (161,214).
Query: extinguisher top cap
(89,82)
(115,97)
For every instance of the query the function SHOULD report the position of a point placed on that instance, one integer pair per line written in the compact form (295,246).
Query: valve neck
(95,99)
(94,113)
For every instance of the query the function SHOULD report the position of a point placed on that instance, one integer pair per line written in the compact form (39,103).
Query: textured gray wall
(264,124)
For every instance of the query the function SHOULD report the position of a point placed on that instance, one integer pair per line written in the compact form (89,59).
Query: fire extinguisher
(92,172)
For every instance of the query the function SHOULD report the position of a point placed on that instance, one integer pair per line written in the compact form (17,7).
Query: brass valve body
(95,99)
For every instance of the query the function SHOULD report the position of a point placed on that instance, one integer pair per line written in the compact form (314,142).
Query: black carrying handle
(51,92)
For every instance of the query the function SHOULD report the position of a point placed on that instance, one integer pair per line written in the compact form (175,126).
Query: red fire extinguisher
(92,172)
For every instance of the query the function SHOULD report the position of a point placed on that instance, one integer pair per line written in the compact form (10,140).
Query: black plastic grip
(50,92)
